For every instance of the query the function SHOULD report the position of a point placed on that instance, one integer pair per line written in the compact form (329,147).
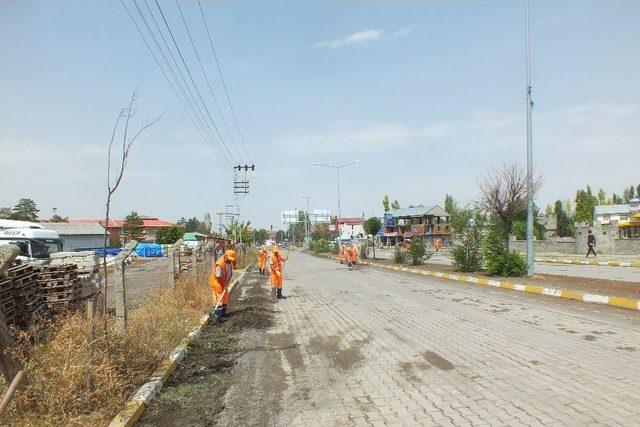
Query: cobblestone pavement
(385,348)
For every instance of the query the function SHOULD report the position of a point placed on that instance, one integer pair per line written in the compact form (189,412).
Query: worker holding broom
(352,255)
(219,281)
(262,260)
(276,264)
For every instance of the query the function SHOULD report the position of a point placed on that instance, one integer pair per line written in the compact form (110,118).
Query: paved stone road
(386,348)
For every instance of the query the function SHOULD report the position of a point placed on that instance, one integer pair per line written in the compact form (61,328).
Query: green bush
(498,260)
(399,256)
(320,246)
(418,252)
(468,225)
(466,258)
(364,254)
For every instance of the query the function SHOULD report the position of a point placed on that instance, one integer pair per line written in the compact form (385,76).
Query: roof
(419,211)
(351,220)
(192,236)
(147,222)
(611,209)
(64,229)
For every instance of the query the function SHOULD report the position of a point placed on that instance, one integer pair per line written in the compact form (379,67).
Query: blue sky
(427,95)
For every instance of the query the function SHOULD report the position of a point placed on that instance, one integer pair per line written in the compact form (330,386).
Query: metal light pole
(530,269)
(337,168)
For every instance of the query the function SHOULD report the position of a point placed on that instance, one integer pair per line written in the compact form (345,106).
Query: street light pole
(530,267)
(307,220)
(337,168)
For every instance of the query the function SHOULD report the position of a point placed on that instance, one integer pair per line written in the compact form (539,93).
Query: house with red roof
(150,226)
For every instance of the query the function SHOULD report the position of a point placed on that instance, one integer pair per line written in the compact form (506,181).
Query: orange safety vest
(276,263)
(352,254)
(262,258)
(222,281)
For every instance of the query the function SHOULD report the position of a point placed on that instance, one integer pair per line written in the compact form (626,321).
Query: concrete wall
(564,245)
(607,239)
(80,241)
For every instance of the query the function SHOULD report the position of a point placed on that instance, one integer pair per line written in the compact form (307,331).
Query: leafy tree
(132,227)
(564,224)
(518,229)
(395,205)
(638,191)
(260,236)
(58,218)
(602,197)
(372,225)
(617,200)
(5,213)
(239,230)
(385,203)
(468,225)
(170,235)
(585,203)
(450,204)
(280,236)
(322,232)
(25,210)
(548,209)
(498,260)
(629,194)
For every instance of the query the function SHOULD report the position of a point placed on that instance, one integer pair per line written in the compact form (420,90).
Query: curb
(592,262)
(137,405)
(620,302)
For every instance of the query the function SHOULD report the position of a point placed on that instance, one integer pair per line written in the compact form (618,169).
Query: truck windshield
(41,248)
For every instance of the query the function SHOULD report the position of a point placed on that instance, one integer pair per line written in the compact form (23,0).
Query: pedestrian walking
(219,282)
(438,244)
(591,243)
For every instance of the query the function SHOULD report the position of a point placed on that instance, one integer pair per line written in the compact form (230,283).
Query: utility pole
(240,186)
(307,220)
(529,103)
(221,215)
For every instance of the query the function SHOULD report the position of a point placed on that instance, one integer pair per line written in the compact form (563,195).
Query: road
(627,274)
(370,347)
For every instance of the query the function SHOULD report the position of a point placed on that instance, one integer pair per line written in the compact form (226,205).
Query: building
(149,226)
(426,222)
(351,228)
(192,239)
(79,236)
(606,214)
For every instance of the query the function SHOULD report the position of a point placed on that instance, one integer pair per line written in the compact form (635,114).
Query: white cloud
(600,113)
(359,38)
(403,32)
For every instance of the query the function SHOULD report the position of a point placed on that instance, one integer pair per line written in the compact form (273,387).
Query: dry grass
(56,364)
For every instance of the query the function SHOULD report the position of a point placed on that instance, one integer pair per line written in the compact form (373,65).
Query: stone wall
(564,245)
(607,239)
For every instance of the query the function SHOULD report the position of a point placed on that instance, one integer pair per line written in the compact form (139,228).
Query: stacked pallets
(60,286)
(21,282)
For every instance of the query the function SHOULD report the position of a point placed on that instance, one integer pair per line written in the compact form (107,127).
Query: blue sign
(388,220)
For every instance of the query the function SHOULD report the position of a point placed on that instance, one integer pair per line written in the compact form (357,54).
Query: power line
(206,78)
(224,85)
(166,23)
(171,85)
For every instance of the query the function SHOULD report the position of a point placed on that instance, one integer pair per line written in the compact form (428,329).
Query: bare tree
(126,114)
(503,193)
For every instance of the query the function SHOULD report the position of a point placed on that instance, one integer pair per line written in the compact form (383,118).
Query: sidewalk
(591,286)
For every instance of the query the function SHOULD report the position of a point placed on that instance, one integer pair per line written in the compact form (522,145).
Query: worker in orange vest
(438,244)
(341,254)
(275,268)
(262,260)
(353,255)
(219,282)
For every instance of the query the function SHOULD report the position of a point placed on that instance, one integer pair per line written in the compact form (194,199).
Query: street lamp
(529,104)
(307,220)
(337,168)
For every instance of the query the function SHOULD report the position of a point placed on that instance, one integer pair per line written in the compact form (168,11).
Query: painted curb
(586,262)
(137,405)
(620,302)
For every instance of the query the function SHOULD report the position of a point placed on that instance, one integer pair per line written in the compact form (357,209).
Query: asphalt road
(628,274)
(370,347)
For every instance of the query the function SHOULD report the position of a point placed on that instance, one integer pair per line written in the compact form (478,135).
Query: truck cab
(36,243)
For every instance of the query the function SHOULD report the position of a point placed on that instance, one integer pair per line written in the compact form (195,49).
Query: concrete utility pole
(240,187)
(529,102)
(337,168)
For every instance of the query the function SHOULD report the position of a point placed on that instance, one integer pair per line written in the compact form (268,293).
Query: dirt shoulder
(195,394)
(582,284)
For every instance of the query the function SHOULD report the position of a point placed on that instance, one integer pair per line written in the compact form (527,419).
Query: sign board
(388,220)
(320,215)
(290,217)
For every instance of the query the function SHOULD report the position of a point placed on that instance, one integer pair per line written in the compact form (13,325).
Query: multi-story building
(426,222)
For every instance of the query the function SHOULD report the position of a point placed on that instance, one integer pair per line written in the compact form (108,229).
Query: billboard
(290,217)
(320,215)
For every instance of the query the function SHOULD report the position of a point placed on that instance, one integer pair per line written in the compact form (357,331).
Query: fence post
(90,339)
(121,300)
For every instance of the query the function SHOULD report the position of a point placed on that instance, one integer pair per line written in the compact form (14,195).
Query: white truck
(36,242)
